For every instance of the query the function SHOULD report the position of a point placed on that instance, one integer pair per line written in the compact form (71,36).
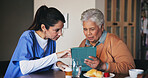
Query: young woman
(36,47)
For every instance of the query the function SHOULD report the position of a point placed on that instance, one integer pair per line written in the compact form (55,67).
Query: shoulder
(82,43)
(27,35)
(114,40)
(112,37)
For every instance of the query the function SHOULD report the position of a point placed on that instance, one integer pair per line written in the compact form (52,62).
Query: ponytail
(47,16)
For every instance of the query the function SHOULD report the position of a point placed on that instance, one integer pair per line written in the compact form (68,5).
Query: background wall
(15,18)
(73,35)
(100,4)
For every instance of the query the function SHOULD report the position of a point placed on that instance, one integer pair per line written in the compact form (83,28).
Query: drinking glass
(76,67)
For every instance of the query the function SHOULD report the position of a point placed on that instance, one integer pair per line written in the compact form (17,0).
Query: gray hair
(94,15)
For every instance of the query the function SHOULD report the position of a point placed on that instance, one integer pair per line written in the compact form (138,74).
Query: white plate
(111,75)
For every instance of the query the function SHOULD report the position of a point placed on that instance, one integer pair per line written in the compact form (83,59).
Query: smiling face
(91,31)
(54,32)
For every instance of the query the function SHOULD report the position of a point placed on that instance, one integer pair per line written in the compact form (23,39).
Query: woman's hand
(96,63)
(92,63)
(61,65)
(64,54)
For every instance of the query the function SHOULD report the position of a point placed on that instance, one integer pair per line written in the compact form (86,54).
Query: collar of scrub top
(101,40)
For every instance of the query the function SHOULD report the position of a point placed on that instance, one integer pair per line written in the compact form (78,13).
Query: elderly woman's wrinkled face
(92,31)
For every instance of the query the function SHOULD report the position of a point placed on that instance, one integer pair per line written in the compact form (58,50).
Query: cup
(76,68)
(68,72)
(134,72)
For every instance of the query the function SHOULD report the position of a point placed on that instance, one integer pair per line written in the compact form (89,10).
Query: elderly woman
(112,53)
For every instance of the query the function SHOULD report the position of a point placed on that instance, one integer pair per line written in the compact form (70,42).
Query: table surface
(56,73)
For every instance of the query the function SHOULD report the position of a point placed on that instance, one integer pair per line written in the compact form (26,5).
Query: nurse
(35,51)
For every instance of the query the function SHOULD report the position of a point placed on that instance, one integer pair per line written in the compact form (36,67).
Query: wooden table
(56,73)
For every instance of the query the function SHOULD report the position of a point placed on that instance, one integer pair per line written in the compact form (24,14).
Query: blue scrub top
(28,49)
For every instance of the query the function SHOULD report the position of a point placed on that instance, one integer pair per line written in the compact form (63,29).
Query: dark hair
(47,16)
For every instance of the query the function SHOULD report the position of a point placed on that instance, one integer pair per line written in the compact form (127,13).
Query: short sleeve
(24,49)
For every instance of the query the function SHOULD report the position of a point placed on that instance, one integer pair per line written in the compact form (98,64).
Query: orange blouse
(114,52)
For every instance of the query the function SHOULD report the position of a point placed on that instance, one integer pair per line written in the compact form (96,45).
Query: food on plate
(91,72)
(106,74)
(94,73)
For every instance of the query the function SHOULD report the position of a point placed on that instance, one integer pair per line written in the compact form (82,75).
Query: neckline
(38,43)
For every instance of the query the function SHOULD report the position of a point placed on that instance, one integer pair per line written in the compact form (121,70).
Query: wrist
(103,67)
(106,66)
(58,55)
(100,66)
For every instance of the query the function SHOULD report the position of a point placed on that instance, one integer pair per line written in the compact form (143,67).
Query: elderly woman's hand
(64,54)
(96,63)
(92,63)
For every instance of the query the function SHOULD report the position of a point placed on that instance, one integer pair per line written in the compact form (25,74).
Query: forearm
(122,59)
(28,66)
(122,67)
(63,54)
(121,62)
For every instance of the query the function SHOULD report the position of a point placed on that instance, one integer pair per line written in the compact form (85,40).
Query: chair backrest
(3,67)
(141,64)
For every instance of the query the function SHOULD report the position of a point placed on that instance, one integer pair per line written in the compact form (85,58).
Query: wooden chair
(3,67)
(141,64)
